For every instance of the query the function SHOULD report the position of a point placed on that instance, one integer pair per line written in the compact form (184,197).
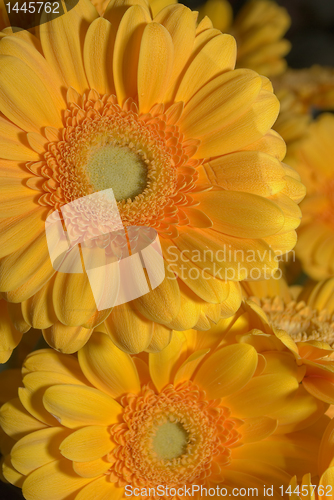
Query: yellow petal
(220,102)
(180,23)
(67,339)
(247,129)
(320,388)
(24,99)
(257,428)
(188,368)
(37,449)
(11,474)
(163,303)
(31,261)
(101,489)
(9,336)
(248,171)
(88,443)
(227,370)
(47,360)
(16,421)
(128,329)
(12,147)
(164,365)
(263,395)
(126,51)
(190,309)
(73,299)
(104,366)
(161,337)
(35,385)
(38,310)
(211,58)
(245,215)
(53,481)
(62,47)
(155,65)
(24,50)
(91,469)
(99,45)
(18,231)
(75,406)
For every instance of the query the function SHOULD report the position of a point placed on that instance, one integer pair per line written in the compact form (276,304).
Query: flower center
(170,441)
(144,159)
(171,438)
(300,321)
(119,168)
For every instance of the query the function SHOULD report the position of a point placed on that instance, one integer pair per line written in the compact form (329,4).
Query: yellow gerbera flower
(313,158)
(234,415)
(214,178)
(302,320)
(258,28)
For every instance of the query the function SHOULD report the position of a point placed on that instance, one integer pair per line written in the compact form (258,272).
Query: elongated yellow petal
(75,406)
(62,46)
(104,366)
(24,99)
(245,215)
(170,358)
(126,51)
(156,58)
(102,489)
(221,49)
(220,102)
(16,421)
(129,330)
(98,49)
(53,480)
(37,449)
(88,443)
(227,370)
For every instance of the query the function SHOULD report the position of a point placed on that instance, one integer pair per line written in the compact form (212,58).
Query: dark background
(312,38)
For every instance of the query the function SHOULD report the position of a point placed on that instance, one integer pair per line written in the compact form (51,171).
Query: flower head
(154,109)
(259,28)
(186,416)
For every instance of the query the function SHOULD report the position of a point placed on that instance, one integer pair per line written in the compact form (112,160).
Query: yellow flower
(164,88)
(313,158)
(317,487)
(312,87)
(258,28)
(300,319)
(233,415)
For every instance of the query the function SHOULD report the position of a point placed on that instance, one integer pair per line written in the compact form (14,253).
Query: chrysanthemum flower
(212,177)
(317,487)
(313,158)
(259,29)
(234,415)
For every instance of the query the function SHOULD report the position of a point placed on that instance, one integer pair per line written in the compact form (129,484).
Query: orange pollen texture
(210,434)
(93,121)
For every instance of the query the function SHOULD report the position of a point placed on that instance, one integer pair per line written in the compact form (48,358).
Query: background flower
(234,412)
(259,28)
